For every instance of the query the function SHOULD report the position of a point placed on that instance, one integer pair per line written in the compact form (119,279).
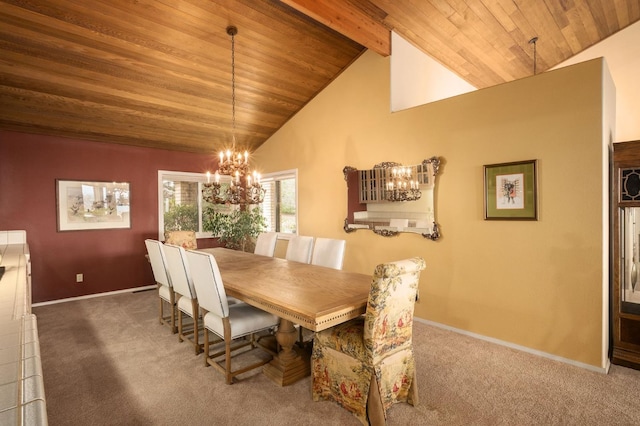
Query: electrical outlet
(79,278)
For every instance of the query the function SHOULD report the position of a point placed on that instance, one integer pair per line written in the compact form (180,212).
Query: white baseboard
(590,367)
(90,296)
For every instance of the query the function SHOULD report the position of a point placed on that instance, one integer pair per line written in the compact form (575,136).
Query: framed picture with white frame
(87,205)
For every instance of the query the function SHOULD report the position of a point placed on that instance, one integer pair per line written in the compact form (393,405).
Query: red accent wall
(109,259)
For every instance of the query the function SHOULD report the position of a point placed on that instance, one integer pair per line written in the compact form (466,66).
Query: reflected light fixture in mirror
(399,184)
(391,198)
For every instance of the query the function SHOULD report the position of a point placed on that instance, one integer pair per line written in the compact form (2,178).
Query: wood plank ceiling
(157,73)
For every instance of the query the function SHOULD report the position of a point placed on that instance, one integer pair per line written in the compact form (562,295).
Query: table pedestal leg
(291,364)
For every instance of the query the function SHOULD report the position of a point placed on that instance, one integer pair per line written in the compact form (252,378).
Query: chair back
(208,283)
(185,239)
(388,320)
(299,249)
(328,252)
(266,244)
(155,250)
(179,271)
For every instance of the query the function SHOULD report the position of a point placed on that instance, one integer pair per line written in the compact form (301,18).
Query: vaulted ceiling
(157,73)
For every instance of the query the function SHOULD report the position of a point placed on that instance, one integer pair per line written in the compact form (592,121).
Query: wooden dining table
(311,296)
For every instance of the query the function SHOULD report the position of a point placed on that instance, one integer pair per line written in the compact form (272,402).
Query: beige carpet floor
(107,361)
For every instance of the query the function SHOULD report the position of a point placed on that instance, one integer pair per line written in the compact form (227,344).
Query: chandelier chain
(533,41)
(241,188)
(233,87)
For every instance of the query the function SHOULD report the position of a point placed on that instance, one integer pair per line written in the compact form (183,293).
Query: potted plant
(236,230)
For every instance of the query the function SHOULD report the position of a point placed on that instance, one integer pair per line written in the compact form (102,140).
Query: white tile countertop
(22,400)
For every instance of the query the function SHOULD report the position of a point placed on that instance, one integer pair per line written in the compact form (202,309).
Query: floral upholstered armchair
(366,364)
(184,239)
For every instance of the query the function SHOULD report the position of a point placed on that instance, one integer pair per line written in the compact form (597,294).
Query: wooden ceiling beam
(349,20)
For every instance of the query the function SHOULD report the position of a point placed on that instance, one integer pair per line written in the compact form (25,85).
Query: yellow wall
(536,284)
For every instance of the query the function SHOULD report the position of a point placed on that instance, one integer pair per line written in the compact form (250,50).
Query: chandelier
(243,188)
(399,185)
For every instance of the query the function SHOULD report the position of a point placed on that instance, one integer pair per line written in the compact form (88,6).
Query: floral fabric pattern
(374,350)
(346,338)
(184,239)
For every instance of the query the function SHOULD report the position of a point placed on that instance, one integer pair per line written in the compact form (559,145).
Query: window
(181,206)
(280,205)
(180,202)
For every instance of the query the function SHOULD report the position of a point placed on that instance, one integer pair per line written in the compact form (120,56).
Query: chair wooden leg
(227,350)
(206,347)
(196,314)
(224,366)
(180,326)
(172,297)
(160,311)
(227,361)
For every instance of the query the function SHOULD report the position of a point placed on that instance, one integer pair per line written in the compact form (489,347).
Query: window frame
(282,175)
(201,178)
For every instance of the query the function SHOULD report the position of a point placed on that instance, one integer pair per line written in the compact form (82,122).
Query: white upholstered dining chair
(185,291)
(229,322)
(328,252)
(299,249)
(155,250)
(266,244)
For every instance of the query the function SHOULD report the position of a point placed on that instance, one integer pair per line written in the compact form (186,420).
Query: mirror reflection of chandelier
(243,188)
(400,185)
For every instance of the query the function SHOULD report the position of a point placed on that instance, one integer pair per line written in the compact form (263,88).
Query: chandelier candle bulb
(399,185)
(208,177)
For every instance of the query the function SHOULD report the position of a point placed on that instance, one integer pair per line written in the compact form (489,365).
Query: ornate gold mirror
(391,198)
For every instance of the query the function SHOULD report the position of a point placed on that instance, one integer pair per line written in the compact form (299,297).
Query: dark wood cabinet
(626,254)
